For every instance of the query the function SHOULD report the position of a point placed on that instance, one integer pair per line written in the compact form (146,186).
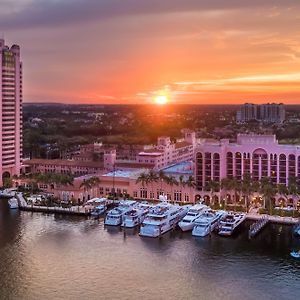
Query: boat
(162,218)
(136,215)
(207,222)
(13,203)
(98,210)
(188,222)
(296,229)
(295,254)
(115,216)
(230,222)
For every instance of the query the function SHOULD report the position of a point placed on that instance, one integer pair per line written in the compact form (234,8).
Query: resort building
(258,155)
(166,153)
(267,113)
(10,111)
(76,168)
(124,183)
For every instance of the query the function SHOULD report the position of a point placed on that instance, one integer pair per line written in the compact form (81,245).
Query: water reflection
(54,257)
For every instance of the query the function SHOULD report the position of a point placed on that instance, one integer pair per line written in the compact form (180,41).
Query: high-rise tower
(10,111)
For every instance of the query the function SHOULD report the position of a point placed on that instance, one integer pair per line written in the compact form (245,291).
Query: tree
(268,191)
(191,183)
(152,177)
(214,187)
(89,183)
(171,180)
(143,179)
(247,188)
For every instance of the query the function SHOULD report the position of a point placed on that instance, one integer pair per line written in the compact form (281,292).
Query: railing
(257,226)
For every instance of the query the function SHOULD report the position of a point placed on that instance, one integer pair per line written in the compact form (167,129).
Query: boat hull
(186,227)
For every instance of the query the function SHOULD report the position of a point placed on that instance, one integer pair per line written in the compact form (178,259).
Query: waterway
(60,257)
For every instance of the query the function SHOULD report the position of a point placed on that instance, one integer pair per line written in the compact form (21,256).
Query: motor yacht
(230,222)
(115,216)
(296,229)
(136,215)
(13,203)
(188,222)
(207,222)
(98,210)
(162,218)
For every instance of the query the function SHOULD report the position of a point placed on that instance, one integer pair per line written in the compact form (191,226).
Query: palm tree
(143,179)
(89,183)
(293,187)
(191,183)
(226,186)
(268,190)
(214,187)
(247,188)
(152,177)
(171,180)
(162,178)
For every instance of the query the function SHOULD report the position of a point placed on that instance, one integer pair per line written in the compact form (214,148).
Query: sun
(161,100)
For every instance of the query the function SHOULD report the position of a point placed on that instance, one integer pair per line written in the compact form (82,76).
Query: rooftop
(63,162)
(125,173)
(182,168)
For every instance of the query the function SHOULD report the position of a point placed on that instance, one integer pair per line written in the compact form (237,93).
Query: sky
(130,51)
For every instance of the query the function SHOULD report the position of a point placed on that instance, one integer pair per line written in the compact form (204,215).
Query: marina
(44,255)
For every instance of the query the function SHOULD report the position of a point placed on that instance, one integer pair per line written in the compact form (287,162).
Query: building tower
(11,111)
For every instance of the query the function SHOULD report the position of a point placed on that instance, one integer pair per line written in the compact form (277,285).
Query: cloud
(31,13)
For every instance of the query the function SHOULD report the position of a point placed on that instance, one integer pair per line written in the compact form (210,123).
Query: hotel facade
(258,155)
(10,110)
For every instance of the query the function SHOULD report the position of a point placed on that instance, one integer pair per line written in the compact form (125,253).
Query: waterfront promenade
(73,210)
(274,219)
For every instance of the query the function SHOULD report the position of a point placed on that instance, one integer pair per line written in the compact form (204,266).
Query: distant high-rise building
(268,113)
(10,110)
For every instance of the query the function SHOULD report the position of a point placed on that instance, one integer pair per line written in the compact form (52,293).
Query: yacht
(98,210)
(162,218)
(207,222)
(297,229)
(115,216)
(136,215)
(230,222)
(188,222)
(13,203)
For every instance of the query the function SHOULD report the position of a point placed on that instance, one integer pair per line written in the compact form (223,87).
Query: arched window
(216,167)
(229,164)
(282,169)
(292,165)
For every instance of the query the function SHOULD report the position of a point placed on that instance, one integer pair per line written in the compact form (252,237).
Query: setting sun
(161,99)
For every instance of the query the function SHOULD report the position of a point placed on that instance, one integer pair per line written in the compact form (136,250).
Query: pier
(74,210)
(258,226)
(273,219)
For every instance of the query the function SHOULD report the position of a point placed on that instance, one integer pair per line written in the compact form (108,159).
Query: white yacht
(115,216)
(13,203)
(230,222)
(98,210)
(207,222)
(136,215)
(162,218)
(188,222)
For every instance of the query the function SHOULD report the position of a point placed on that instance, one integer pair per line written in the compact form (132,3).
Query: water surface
(59,257)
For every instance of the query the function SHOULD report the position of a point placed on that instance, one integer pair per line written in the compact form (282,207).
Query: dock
(257,226)
(74,210)
(273,219)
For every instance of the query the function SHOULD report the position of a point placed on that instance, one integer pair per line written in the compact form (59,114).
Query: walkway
(275,219)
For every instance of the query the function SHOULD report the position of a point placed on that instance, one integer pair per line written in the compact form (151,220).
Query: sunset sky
(129,51)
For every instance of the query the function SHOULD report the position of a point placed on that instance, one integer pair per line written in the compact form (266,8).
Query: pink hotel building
(259,155)
(10,111)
